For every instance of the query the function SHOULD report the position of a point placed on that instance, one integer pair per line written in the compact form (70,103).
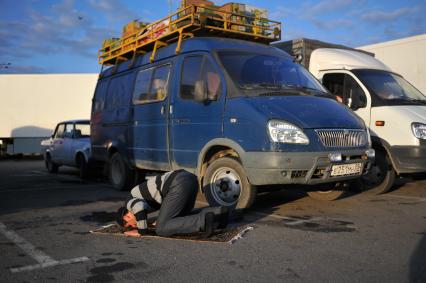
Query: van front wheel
(225,183)
(120,175)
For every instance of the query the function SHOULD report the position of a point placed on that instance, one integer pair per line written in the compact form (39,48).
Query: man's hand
(130,220)
(132,233)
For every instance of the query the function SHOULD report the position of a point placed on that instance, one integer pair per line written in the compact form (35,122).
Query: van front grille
(343,138)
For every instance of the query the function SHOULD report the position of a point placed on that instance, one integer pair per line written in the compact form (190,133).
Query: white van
(394,110)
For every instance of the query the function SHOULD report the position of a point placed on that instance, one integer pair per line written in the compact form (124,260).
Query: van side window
(191,73)
(99,99)
(152,85)
(198,71)
(60,131)
(159,84)
(118,92)
(143,81)
(346,89)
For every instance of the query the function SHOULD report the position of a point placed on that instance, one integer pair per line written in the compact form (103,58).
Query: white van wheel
(381,176)
(226,184)
(329,195)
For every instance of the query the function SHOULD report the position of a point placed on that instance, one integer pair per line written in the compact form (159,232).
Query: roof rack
(189,21)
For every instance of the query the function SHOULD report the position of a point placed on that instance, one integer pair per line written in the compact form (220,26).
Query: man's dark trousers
(174,216)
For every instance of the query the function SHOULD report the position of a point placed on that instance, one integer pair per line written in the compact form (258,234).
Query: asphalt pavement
(45,222)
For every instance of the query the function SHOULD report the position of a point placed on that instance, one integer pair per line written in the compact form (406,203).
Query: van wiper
(408,101)
(262,85)
(282,93)
(306,88)
(420,101)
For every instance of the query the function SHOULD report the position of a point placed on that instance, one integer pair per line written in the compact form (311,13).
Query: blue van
(238,114)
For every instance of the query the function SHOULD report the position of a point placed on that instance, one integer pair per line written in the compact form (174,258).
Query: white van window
(346,89)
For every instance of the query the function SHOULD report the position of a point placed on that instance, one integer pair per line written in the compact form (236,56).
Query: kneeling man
(174,194)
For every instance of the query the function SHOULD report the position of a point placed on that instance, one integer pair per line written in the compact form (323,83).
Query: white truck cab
(394,110)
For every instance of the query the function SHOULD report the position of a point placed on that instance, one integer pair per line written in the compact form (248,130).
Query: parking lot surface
(45,222)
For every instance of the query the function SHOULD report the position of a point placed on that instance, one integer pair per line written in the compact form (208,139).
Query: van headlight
(280,131)
(419,130)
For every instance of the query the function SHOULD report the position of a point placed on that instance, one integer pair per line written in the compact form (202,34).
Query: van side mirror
(200,92)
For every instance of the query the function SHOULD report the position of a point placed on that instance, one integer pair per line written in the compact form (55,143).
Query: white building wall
(405,56)
(32,105)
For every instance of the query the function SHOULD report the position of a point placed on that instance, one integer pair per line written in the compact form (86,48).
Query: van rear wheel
(120,175)
(225,183)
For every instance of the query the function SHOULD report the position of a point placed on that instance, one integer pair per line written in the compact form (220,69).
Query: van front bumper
(309,168)
(409,159)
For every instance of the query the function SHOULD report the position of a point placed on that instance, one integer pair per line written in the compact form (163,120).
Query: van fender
(120,147)
(377,141)
(219,142)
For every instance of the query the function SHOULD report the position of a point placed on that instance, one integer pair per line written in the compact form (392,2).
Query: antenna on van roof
(193,18)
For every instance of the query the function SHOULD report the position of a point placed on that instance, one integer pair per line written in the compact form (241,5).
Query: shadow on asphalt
(417,262)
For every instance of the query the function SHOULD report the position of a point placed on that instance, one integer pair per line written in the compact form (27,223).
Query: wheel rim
(116,172)
(327,190)
(225,185)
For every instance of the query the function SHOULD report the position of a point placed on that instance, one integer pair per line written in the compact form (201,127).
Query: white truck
(31,105)
(394,110)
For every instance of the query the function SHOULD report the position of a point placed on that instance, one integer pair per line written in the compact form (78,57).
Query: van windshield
(259,74)
(390,89)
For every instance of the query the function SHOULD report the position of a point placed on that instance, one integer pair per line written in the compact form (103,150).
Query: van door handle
(162,110)
(182,121)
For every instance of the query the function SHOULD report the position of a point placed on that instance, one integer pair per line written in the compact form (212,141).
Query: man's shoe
(209,224)
(222,218)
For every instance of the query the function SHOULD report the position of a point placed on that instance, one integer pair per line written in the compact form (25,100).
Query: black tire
(83,167)
(335,192)
(381,177)
(234,189)
(51,166)
(120,175)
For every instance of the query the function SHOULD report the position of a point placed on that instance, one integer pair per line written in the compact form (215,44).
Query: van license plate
(346,169)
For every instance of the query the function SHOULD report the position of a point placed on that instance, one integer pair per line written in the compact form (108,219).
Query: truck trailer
(32,104)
